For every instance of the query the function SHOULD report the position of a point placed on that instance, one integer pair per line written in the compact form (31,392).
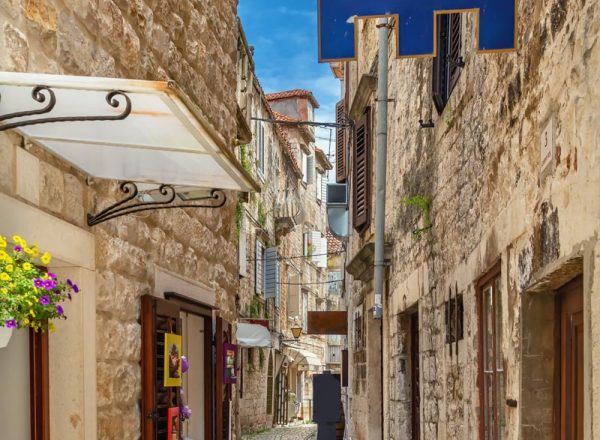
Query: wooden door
(159,317)
(414,376)
(571,360)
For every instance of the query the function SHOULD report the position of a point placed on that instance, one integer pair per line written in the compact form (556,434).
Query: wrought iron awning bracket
(133,204)
(42,93)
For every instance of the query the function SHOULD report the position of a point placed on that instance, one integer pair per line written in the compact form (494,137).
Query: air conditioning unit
(337,194)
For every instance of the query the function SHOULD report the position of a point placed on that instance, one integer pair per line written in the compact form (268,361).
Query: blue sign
(415,24)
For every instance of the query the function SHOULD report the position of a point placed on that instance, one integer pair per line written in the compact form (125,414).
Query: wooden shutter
(324,188)
(158,318)
(270,384)
(259,268)
(440,65)
(445,73)
(340,145)
(272,282)
(454,49)
(361,195)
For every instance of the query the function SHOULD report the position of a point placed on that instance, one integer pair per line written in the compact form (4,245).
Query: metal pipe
(382,128)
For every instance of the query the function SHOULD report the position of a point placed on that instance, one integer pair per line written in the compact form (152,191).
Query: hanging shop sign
(172,360)
(415,24)
(229,363)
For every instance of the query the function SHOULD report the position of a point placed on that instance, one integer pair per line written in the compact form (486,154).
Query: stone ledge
(556,275)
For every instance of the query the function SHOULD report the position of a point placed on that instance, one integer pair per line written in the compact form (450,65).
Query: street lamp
(296,331)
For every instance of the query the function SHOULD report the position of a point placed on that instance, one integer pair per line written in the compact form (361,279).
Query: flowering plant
(30,296)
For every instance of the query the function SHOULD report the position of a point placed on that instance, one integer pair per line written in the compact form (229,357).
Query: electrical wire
(296,257)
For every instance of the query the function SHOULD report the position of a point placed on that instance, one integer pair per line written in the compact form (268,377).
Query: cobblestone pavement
(297,432)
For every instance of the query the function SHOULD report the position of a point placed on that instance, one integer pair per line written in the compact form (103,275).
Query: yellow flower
(27,266)
(32,313)
(9,268)
(18,240)
(46,258)
(51,327)
(26,321)
(3,255)
(4,291)
(35,251)
(4,277)
(28,251)
(2,242)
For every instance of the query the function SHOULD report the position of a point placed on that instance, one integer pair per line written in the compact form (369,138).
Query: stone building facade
(118,262)
(509,175)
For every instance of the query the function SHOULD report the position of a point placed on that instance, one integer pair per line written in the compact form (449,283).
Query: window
(304,310)
(272,273)
(454,319)
(446,65)
(304,158)
(319,187)
(340,144)
(491,359)
(361,194)
(259,145)
(259,279)
(358,328)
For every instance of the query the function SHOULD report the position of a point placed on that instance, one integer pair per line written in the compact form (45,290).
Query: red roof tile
(296,93)
(334,245)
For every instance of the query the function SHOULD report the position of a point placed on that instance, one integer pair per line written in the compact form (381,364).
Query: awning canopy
(163,139)
(307,360)
(253,335)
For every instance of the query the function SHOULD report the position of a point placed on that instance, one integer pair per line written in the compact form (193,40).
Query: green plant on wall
(254,308)
(246,158)
(423,203)
(239,218)
(262,215)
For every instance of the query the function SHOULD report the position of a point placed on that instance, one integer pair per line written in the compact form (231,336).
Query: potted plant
(30,295)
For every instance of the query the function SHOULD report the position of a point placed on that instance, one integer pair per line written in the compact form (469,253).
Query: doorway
(414,377)
(571,389)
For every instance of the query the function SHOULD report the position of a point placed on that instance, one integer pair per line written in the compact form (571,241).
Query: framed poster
(229,362)
(173,423)
(172,360)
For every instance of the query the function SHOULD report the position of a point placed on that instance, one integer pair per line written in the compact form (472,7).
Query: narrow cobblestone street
(298,432)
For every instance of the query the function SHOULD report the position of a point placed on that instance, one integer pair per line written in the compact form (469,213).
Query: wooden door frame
(491,275)
(39,389)
(196,308)
(558,360)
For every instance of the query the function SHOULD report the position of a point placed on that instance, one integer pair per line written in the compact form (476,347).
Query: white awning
(253,335)
(307,360)
(164,140)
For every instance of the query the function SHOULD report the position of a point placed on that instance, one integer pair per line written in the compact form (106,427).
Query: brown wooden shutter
(361,194)
(158,318)
(445,74)
(340,142)
(454,49)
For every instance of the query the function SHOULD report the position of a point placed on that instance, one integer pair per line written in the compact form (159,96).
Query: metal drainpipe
(382,128)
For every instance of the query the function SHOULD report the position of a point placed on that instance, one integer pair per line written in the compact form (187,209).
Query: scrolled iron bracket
(133,203)
(39,95)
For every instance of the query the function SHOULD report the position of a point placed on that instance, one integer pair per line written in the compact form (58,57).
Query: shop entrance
(571,360)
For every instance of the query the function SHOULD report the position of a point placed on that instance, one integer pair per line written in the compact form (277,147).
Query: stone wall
(190,42)
(480,166)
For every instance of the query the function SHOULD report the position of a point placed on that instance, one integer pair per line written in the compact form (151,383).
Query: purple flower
(49,284)
(75,288)
(45,300)
(18,248)
(10,323)
(60,310)
(186,412)
(38,283)
(69,282)
(52,275)
(69,296)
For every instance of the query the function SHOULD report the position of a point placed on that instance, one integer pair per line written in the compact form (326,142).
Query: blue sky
(284,36)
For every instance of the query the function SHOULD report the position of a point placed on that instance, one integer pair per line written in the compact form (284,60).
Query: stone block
(42,13)
(7,163)
(17,48)
(28,176)
(52,188)
(74,206)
